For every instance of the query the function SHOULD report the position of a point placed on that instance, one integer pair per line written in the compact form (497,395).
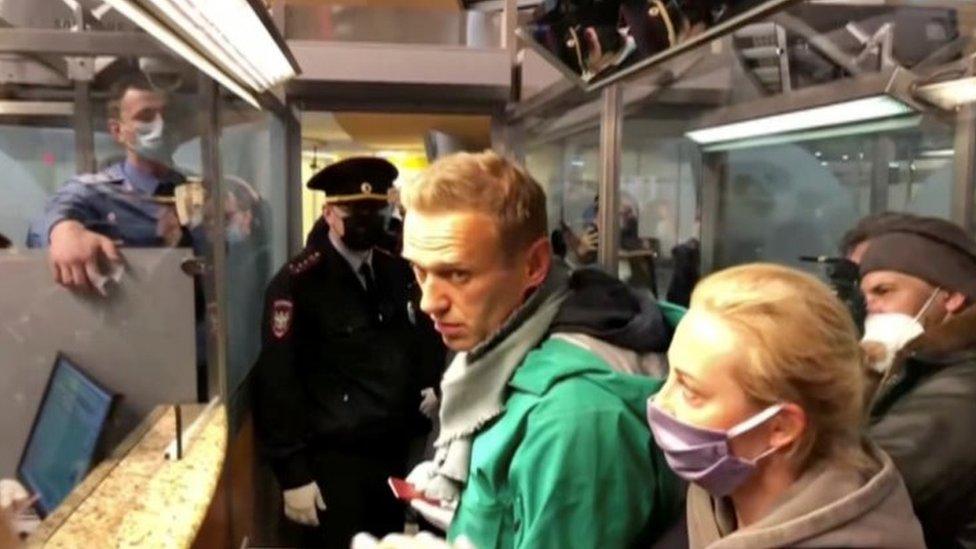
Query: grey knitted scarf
(474,385)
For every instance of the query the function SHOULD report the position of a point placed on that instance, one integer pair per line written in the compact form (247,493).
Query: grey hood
(828,506)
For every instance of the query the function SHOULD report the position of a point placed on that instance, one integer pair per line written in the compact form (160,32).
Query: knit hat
(932,249)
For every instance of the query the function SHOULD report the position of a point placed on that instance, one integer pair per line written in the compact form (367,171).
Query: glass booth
(767,141)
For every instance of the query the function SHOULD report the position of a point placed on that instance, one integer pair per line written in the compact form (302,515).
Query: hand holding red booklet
(405,491)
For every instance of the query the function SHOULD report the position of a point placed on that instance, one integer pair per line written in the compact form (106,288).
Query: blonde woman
(761,413)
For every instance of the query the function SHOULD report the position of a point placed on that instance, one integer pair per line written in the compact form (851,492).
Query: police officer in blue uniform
(129,203)
(346,359)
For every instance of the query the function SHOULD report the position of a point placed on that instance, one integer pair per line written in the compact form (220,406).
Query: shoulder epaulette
(304,261)
(97,178)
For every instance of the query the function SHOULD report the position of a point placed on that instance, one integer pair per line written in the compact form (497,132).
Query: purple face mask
(702,455)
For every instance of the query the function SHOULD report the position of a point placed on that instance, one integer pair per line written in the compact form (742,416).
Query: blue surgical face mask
(152,141)
(235,234)
(703,456)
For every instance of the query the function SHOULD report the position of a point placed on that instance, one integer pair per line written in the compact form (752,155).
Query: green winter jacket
(571,463)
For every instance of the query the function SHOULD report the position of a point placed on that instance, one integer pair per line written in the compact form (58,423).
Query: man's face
(136,107)
(470,285)
(338,215)
(351,221)
(894,292)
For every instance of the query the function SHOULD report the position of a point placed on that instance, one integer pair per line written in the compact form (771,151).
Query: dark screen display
(60,449)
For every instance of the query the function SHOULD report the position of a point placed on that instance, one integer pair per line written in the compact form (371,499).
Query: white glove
(423,540)
(301,503)
(438,515)
(429,403)
(422,474)
(12,493)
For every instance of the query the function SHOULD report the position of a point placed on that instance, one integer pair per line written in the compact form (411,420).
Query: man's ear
(115,129)
(332,218)
(538,261)
(955,302)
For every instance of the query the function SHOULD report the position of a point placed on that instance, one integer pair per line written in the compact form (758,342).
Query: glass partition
(658,197)
(744,136)
(37,160)
(252,156)
(786,200)
(567,165)
(99,279)
(111,177)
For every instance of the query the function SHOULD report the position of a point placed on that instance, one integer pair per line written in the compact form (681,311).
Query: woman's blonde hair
(801,346)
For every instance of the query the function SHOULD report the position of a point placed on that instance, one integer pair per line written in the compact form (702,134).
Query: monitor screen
(66,429)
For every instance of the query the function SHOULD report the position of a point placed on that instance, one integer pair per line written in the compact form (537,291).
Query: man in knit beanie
(855,241)
(919,281)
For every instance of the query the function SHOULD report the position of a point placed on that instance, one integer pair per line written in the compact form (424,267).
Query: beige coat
(829,506)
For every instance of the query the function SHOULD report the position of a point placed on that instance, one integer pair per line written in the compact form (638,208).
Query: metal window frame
(611,137)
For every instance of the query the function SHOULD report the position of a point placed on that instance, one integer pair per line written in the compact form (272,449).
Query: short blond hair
(801,347)
(487,183)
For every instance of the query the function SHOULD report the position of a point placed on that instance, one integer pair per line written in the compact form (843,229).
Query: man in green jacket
(543,441)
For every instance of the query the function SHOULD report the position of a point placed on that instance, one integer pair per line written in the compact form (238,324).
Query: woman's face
(701,389)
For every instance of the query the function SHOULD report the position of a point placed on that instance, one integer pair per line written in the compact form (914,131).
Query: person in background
(664,227)
(687,270)
(636,264)
(855,241)
(346,366)
(761,412)
(4,242)
(542,441)
(638,255)
(130,203)
(558,243)
(919,281)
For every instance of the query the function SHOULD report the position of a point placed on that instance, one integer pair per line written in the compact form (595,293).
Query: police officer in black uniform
(346,358)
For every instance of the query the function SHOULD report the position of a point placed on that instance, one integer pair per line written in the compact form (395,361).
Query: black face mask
(363,231)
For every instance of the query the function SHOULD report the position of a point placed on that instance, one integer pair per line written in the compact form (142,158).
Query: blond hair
(486,183)
(801,347)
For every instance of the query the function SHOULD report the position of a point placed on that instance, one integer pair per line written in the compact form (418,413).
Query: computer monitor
(66,430)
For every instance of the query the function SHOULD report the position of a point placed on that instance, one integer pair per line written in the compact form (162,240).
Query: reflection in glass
(593,39)
(255,228)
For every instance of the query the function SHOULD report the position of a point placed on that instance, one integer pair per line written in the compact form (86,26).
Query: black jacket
(687,258)
(337,368)
(924,417)
(602,306)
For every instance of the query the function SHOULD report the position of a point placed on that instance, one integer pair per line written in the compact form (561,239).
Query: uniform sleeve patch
(281,316)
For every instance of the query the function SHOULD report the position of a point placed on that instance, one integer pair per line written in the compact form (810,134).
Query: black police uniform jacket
(338,369)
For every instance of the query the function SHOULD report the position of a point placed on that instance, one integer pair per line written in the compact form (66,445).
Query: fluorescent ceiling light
(224,38)
(858,110)
(950,94)
(860,128)
(37,108)
(938,153)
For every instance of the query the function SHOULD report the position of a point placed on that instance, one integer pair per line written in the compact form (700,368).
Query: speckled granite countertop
(137,498)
